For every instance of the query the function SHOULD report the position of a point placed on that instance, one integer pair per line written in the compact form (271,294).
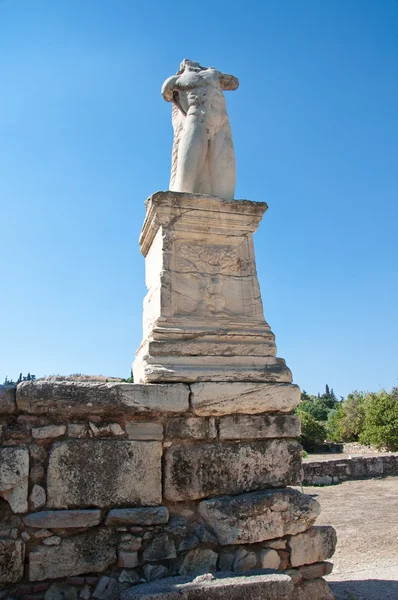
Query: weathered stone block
(161,547)
(63,519)
(7,399)
(259,516)
(217,399)
(158,515)
(315,545)
(91,552)
(269,559)
(54,396)
(199,560)
(213,587)
(104,473)
(244,560)
(313,589)
(315,570)
(49,431)
(193,472)
(77,430)
(191,427)
(14,472)
(12,553)
(240,427)
(37,498)
(106,589)
(152,572)
(144,431)
(127,560)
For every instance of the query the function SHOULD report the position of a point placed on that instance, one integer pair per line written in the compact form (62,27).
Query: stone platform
(106,485)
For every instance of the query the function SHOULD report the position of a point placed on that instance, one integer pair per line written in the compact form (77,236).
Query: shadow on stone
(367,589)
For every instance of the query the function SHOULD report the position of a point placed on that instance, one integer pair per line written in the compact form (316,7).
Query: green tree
(333,425)
(313,433)
(380,427)
(345,421)
(316,409)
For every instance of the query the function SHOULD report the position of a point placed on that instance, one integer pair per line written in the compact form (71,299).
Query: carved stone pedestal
(203,315)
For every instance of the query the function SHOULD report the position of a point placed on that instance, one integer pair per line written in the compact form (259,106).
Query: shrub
(345,422)
(380,427)
(334,424)
(313,432)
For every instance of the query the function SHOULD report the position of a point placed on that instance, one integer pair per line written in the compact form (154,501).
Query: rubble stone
(12,553)
(314,545)
(14,471)
(244,560)
(49,431)
(161,547)
(107,589)
(152,572)
(7,399)
(127,560)
(269,559)
(315,570)
(37,498)
(142,515)
(199,560)
(313,589)
(129,576)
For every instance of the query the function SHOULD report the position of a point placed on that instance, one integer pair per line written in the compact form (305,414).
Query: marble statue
(203,159)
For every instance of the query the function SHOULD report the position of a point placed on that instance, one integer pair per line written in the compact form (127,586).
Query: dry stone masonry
(149,490)
(176,486)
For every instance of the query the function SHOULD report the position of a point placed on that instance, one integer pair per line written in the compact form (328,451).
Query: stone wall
(330,471)
(105,485)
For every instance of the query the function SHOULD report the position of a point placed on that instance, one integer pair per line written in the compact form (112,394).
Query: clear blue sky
(86,137)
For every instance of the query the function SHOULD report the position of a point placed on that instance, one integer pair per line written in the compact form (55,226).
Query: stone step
(215,587)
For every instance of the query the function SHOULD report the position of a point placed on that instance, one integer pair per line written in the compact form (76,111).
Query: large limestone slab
(315,545)
(201,470)
(12,553)
(103,473)
(92,552)
(217,399)
(14,472)
(258,516)
(240,427)
(7,399)
(215,587)
(54,396)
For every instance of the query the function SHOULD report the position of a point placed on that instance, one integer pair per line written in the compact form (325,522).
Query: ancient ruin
(175,486)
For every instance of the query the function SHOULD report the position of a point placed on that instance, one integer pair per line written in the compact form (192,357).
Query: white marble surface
(203,316)
(203,158)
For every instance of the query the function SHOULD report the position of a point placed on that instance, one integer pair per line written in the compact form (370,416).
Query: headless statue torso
(203,160)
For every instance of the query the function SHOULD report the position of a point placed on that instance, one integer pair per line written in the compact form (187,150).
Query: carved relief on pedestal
(213,280)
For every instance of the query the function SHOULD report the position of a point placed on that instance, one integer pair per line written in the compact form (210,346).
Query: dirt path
(365,516)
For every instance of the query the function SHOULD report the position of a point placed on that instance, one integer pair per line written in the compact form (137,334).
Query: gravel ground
(365,516)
